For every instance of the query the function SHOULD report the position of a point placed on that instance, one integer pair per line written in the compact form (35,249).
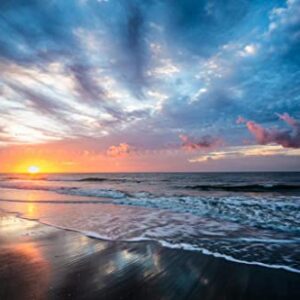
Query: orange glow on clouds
(59,158)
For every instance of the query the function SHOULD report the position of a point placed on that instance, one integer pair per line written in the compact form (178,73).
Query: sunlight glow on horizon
(33,169)
(130,86)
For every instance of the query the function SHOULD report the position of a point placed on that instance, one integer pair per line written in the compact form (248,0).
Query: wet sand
(42,262)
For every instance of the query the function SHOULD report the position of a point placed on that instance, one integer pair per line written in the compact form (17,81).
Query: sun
(33,170)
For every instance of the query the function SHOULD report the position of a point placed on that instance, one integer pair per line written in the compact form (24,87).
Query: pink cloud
(290,120)
(240,120)
(205,142)
(287,138)
(120,150)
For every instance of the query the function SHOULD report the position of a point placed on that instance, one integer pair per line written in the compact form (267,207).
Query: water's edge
(179,246)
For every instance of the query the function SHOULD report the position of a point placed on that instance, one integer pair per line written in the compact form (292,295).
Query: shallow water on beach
(251,218)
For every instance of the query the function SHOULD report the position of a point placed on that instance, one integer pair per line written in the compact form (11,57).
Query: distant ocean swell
(244,188)
(261,188)
(53,179)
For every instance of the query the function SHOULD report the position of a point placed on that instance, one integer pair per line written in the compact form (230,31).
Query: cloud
(85,84)
(287,138)
(202,26)
(251,151)
(148,70)
(205,142)
(284,30)
(120,150)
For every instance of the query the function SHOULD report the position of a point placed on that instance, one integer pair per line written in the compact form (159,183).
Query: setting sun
(33,169)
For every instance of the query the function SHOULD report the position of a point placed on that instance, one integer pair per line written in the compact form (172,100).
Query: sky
(152,85)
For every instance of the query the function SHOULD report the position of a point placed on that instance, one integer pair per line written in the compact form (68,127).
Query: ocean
(250,218)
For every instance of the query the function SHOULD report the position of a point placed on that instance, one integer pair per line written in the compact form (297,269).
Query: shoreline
(160,243)
(42,262)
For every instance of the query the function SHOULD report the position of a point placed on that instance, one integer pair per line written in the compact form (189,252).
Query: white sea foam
(257,228)
(190,247)
(221,239)
(179,246)
(280,213)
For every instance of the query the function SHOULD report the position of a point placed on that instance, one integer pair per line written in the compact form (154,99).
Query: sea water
(251,218)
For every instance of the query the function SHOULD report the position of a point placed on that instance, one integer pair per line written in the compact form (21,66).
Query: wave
(261,188)
(99,179)
(72,191)
(189,247)
(16,178)
(53,179)
(281,213)
(105,193)
(236,251)
(92,179)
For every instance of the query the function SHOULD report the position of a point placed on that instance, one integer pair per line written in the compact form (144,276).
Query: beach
(149,150)
(43,262)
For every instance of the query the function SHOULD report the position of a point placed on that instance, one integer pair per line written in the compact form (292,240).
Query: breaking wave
(250,188)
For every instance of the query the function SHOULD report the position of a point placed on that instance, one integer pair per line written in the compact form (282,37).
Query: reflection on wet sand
(41,262)
(24,273)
